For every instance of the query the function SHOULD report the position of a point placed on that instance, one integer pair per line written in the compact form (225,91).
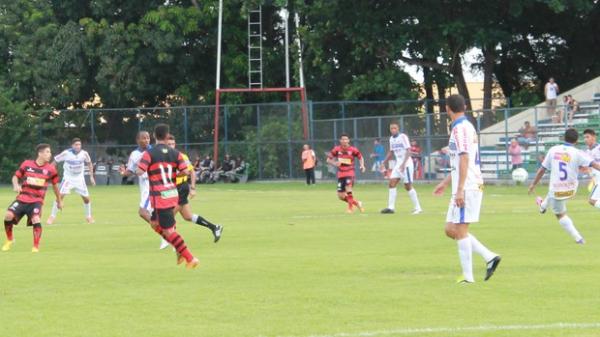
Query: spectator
(309,161)
(378,155)
(197,161)
(514,150)
(415,153)
(527,134)
(572,108)
(443,159)
(551,91)
(206,167)
(240,169)
(226,170)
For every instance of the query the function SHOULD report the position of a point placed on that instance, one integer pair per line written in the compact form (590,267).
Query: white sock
(568,225)
(480,249)
(465,253)
(195,218)
(54,210)
(597,204)
(544,203)
(392,198)
(88,209)
(413,197)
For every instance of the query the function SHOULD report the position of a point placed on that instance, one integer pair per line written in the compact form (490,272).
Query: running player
(163,165)
(186,186)
(467,191)
(143,141)
(31,182)
(593,150)
(403,170)
(74,160)
(342,156)
(564,162)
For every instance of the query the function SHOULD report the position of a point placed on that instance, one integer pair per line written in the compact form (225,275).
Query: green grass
(292,263)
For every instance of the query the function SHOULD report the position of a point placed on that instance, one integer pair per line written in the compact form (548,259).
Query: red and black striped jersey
(35,180)
(345,157)
(162,164)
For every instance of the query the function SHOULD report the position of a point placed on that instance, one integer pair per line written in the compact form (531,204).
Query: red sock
(159,231)
(8,227)
(177,241)
(350,200)
(37,235)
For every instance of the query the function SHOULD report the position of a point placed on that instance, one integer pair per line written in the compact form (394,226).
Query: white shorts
(595,194)
(469,213)
(145,198)
(557,206)
(74,184)
(406,175)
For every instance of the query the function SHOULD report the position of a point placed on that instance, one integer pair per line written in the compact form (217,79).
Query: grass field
(292,263)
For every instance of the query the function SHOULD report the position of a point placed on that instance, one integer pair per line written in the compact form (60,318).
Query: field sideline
(292,263)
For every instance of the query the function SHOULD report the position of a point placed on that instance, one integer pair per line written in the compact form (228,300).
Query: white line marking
(415,331)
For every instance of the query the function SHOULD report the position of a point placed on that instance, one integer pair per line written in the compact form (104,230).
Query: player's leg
(11,218)
(559,207)
(188,215)
(594,199)
(350,196)
(412,193)
(341,190)
(392,193)
(35,219)
(166,221)
(459,232)
(82,190)
(64,189)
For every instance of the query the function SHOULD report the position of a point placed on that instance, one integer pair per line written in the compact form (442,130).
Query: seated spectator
(240,169)
(227,169)
(514,150)
(527,134)
(205,170)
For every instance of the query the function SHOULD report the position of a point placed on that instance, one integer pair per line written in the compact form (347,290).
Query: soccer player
(74,160)
(342,156)
(467,191)
(403,170)
(564,162)
(593,151)
(31,182)
(143,141)
(186,186)
(163,165)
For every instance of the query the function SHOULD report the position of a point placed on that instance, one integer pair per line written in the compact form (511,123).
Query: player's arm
(538,176)
(59,202)
(361,161)
(388,156)
(463,167)
(407,157)
(143,165)
(182,166)
(439,188)
(331,159)
(91,170)
(16,184)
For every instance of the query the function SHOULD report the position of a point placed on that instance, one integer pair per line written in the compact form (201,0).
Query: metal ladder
(255,61)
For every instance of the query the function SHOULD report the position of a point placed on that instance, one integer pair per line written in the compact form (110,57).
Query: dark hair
(41,147)
(571,136)
(395,123)
(75,140)
(344,135)
(140,133)
(170,137)
(161,131)
(456,103)
(589,132)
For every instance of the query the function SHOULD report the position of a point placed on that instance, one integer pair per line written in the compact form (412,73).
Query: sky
(469,58)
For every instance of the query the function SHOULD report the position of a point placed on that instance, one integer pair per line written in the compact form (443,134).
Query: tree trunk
(441,87)
(428,84)
(459,79)
(489,58)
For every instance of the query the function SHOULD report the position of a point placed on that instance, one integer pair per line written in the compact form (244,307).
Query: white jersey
(74,163)
(594,153)
(551,90)
(132,164)
(564,162)
(400,145)
(463,139)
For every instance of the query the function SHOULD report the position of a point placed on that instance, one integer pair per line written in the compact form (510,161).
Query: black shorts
(343,182)
(165,217)
(19,209)
(184,191)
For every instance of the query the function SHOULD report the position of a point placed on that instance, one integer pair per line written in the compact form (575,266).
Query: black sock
(203,222)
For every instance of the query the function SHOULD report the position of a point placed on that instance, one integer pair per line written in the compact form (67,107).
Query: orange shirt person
(309,161)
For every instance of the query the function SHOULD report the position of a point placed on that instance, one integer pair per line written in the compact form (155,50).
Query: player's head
(455,104)
(551,80)
(76,144)
(44,152)
(171,141)
(589,137)
(344,140)
(143,139)
(306,147)
(161,132)
(571,136)
(394,128)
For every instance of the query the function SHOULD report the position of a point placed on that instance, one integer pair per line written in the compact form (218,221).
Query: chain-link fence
(269,137)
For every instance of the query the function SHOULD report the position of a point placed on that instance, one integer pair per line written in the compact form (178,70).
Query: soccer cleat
(50,220)
(217,232)
(491,267)
(359,204)
(192,264)
(580,241)
(462,280)
(387,211)
(180,259)
(35,250)
(90,220)
(539,201)
(417,211)
(163,244)
(7,245)
(350,209)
